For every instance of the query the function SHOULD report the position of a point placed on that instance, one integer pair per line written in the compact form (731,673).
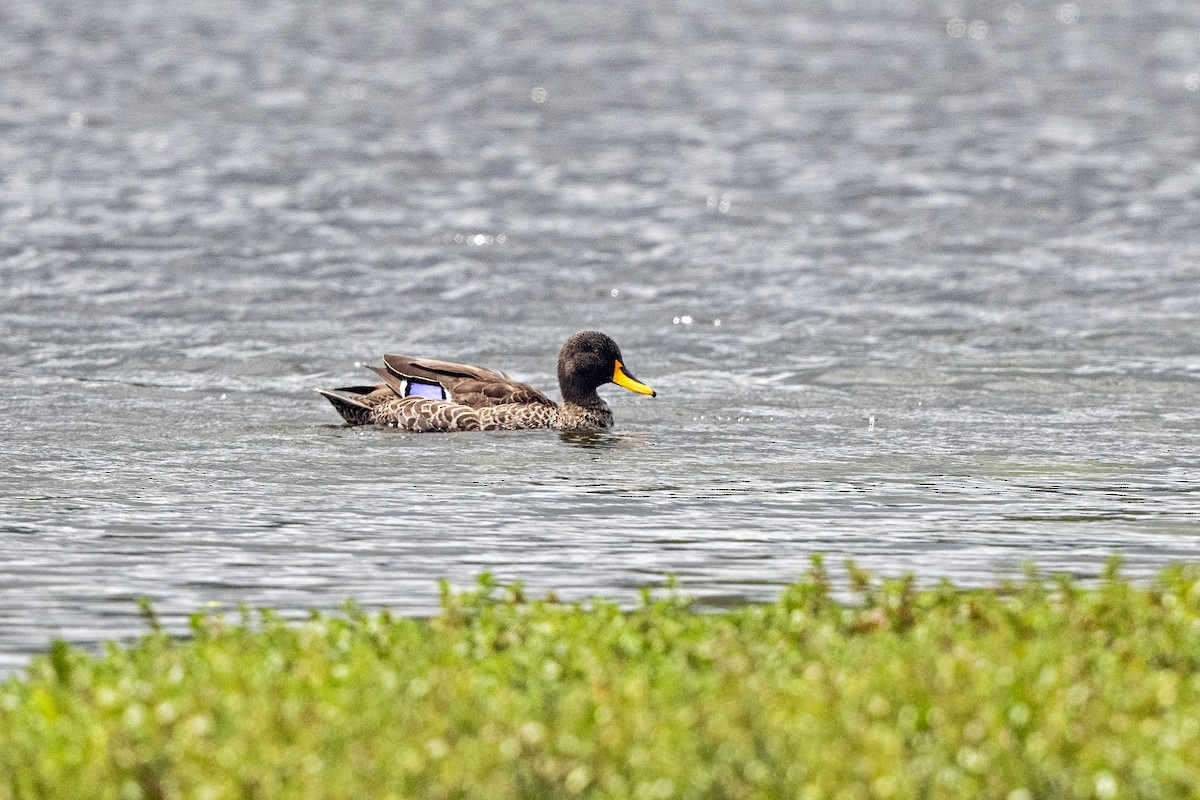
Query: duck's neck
(584,412)
(589,399)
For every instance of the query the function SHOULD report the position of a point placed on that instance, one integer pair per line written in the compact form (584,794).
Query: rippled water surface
(916,283)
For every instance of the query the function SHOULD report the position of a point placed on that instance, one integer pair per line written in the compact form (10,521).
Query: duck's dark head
(589,360)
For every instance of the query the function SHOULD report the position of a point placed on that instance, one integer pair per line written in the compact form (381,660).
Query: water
(915,282)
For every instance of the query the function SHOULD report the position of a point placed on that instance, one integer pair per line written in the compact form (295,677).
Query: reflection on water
(915,285)
(591,440)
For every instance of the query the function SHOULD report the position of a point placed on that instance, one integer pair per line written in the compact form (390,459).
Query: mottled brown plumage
(477,398)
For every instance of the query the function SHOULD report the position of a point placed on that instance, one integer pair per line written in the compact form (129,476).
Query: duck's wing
(465,384)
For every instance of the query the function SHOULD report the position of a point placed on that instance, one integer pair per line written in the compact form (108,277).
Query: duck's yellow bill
(622,378)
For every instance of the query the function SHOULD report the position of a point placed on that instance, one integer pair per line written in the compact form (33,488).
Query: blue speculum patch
(431,390)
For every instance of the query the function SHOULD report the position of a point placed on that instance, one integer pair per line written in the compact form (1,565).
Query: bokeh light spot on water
(718,203)
(1068,13)
(539,94)
(957,27)
(75,119)
(1192,82)
(686,319)
(472,239)
(1014,12)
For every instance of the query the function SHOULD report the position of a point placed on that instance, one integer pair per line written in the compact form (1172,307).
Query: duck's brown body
(476,398)
(423,415)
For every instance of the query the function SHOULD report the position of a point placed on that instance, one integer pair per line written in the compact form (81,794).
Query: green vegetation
(1037,689)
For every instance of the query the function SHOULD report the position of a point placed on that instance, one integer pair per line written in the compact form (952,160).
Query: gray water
(916,283)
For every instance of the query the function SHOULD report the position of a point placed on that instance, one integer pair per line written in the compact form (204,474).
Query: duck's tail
(353,410)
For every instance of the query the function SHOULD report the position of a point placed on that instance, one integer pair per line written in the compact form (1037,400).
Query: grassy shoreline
(1033,689)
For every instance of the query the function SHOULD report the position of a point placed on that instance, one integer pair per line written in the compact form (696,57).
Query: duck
(430,396)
